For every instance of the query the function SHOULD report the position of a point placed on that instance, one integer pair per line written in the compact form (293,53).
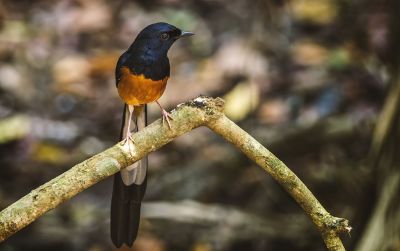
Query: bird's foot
(127,140)
(166,117)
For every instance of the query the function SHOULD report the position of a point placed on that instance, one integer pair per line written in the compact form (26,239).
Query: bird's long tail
(129,188)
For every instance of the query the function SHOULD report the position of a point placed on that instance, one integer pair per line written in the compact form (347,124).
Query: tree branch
(202,111)
(216,223)
(328,225)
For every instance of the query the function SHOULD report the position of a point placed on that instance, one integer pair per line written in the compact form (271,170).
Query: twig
(328,225)
(198,112)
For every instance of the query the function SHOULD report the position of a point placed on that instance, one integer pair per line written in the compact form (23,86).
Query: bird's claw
(126,141)
(166,116)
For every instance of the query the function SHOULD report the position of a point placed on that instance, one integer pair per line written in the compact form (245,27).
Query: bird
(141,76)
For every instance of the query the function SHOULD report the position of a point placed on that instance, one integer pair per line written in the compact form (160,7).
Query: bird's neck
(152,51)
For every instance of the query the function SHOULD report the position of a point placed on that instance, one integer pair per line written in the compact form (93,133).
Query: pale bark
(202,111)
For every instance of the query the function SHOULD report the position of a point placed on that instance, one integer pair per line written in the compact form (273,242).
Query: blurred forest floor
(316,81)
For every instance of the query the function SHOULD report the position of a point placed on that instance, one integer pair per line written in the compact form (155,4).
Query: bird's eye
(164,36)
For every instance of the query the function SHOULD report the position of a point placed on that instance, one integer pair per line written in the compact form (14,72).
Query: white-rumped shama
(141,76)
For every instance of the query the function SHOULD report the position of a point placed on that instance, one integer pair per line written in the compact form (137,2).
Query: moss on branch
(202,111)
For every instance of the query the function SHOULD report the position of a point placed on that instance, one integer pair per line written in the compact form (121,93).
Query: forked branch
(202,111)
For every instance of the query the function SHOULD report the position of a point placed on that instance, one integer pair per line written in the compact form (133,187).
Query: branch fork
(201,111)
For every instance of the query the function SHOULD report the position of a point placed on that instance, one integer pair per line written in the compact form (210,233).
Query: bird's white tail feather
(135,173)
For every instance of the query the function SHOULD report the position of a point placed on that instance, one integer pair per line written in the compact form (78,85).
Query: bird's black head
(159,37)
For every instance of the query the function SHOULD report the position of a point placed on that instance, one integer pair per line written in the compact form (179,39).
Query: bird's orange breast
(139,90)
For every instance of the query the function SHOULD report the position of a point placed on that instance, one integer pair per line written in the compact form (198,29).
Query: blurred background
(315,81)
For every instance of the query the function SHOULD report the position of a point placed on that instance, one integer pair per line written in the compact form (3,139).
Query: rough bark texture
(198,112)
(329,226)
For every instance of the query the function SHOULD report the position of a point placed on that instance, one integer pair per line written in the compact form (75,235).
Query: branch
(202,111)
(218,223)
(328,225)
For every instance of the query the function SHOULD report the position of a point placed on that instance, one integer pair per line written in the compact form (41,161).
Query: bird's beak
(186,34)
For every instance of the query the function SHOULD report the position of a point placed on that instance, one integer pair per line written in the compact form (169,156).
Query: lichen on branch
(201,111)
